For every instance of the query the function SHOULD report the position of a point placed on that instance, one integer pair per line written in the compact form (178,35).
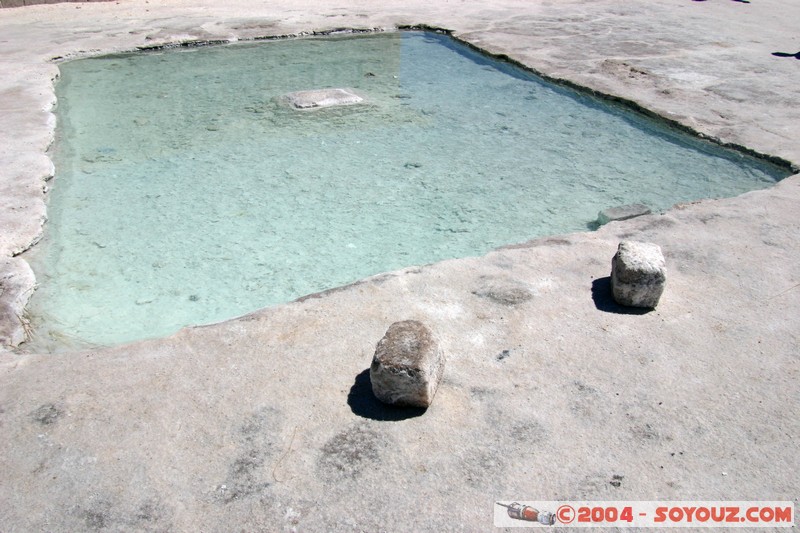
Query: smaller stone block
(322,98)
(407,366)
(622,212)
(638,274)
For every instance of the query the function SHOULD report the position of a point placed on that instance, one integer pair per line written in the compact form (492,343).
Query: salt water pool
(187,191)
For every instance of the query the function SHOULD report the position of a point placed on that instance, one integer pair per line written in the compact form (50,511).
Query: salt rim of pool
(23,294)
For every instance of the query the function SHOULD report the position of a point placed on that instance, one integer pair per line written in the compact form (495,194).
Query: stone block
(622,212)
(322,98)
(638,274)
(407,366)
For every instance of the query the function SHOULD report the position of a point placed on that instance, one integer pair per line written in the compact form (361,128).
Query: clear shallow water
(186,192)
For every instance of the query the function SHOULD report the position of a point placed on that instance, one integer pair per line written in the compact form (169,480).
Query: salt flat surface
(264,423)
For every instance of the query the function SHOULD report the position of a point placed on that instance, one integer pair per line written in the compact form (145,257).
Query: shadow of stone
(604,299)
(364,403)
(786,54)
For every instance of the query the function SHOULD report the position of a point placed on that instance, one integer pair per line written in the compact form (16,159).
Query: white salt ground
(263,423)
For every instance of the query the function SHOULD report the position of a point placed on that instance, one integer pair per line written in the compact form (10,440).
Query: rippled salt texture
(188,192)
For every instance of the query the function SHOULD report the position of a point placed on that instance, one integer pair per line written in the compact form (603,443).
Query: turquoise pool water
(187,192)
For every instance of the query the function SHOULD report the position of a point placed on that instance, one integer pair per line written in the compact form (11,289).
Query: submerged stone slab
(638,274)
(322,98)
(407,366)
(622,212)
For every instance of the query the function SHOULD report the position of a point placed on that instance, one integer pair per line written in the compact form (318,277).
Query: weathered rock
(407,366)
(322,98)
(622,212)
(638,274)
(16,286)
